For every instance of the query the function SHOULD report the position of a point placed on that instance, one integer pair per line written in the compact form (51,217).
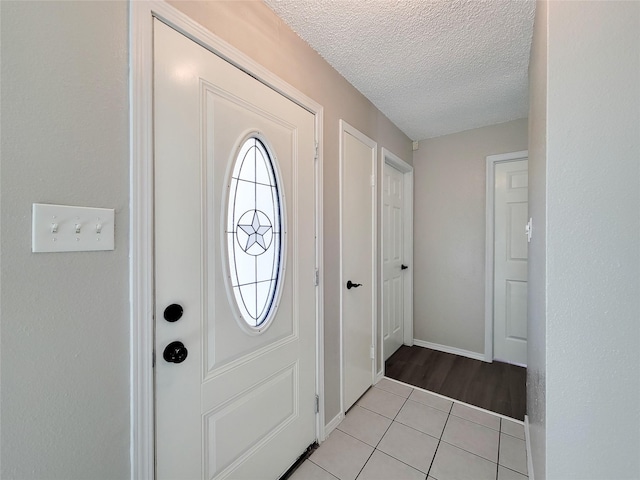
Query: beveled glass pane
(263,289)
(244,200)
(254,233)
(265,264)
(248,296)
(248,166)
(262,169)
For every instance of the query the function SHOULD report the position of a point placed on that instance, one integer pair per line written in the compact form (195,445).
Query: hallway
(398,432)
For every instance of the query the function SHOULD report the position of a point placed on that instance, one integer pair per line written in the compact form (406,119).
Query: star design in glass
(256,230)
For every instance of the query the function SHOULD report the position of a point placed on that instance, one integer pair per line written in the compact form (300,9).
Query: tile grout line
(365,463)
(472,453)
(385,432)
(473,421)
(499,441)
(509,468)
(498,457)
(392,422)
(513,436)
(413,428)
(439,441)
(516,471)
(321,468)
(393,419)
(398,460)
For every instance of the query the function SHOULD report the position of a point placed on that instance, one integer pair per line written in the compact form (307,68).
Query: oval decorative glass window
(254,233)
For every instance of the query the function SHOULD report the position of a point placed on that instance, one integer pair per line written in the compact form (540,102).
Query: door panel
(516,310)
(393,256)
(510,262)
(242,403)
(358,241)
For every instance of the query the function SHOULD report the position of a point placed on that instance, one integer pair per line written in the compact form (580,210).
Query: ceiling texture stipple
(432,67)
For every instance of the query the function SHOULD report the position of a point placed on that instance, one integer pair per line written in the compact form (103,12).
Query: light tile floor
(397,432)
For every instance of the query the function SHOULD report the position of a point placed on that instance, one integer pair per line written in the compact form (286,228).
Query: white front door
(358,160)
(510,262)
(392,258)
(235,256)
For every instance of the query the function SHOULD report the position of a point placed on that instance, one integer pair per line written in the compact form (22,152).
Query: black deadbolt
(351,285)
(173,312)
(175,352)
(403,267)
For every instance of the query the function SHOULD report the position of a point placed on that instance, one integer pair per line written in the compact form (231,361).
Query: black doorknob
(403,267)
(351,285)
(175,352)
(173,312)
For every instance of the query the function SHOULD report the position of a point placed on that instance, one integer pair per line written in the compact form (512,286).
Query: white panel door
(392,258)
(510,262)
(242,403)
(358,242)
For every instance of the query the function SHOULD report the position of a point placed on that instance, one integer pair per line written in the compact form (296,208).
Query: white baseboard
(527,437)
(447,349)
(379,376)
(331,426)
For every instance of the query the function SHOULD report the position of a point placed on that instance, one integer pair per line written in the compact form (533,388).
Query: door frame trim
(141,263)
(492,160)
(344,127)
(388,158)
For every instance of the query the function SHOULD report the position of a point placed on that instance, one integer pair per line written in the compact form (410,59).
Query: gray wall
(65,325)
(449,232)
(254,29)
(536,302)
(65,321)
(593,240)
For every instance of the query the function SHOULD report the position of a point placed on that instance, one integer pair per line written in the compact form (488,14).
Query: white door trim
(407,170)
(141,281)
(344,127)
(489,245)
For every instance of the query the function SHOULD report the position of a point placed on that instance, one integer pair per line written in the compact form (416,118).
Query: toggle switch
(63,228)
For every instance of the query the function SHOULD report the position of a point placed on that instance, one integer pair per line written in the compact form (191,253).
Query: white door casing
(393,267)
(507,293)
(242,403)
(358,155)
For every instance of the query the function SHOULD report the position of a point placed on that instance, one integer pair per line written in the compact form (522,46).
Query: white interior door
(510,262)
(235,256)
(392,258)
(358,160)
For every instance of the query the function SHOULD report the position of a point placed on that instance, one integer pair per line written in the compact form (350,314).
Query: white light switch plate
(62,228)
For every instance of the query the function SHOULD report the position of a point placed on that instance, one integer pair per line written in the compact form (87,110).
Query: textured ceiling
(433,67)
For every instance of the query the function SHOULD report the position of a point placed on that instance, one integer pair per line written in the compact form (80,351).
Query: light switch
(63,228)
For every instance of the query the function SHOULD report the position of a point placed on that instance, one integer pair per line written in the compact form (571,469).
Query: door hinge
(153,359)
(316,277)
(373,180)
(315,156)
(372,352)
(317,403)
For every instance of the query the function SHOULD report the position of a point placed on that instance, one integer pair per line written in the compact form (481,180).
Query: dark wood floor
(496,386)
